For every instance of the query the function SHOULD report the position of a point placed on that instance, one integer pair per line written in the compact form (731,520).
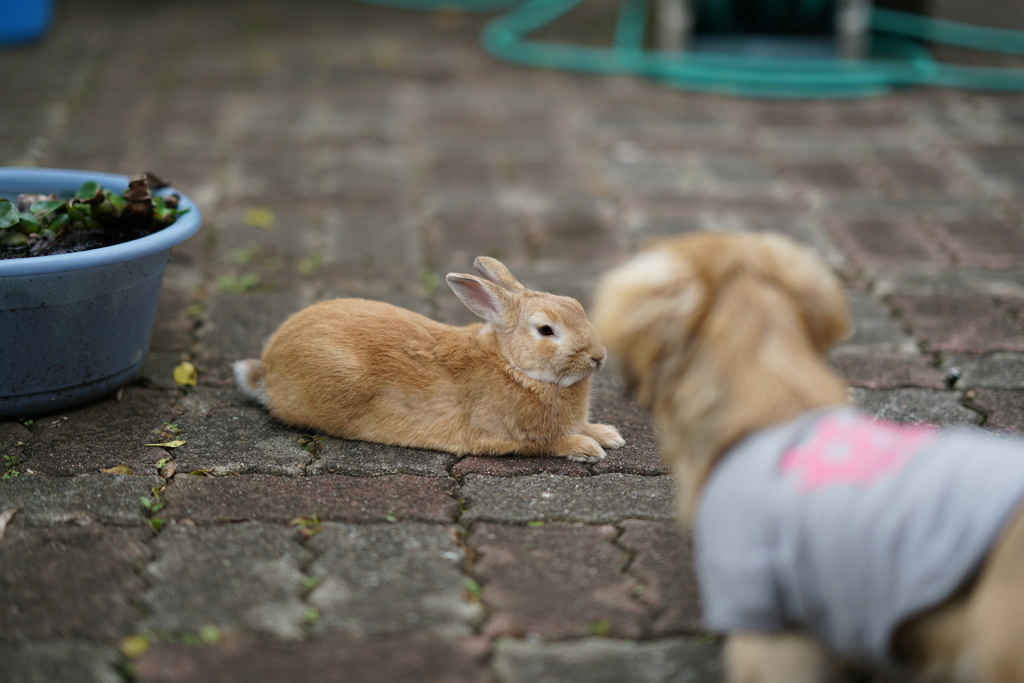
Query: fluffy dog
(821,535)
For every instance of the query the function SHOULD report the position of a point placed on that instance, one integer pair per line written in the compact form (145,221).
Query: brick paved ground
(391,150)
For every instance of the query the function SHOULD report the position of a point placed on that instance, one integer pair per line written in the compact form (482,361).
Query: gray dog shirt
(843,526)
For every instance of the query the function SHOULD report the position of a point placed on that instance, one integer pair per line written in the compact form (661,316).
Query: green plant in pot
(82,257)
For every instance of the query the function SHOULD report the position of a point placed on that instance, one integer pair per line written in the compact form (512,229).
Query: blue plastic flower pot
(23,21)
(74,327)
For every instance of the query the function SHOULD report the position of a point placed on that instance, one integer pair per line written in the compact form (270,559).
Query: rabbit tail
(249,377)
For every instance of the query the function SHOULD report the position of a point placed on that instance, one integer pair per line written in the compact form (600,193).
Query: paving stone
(417,657)
(1004,408)
(555,581)
(983,242)
(1001,163)
(888,371)
(14,433)
(266,498)
(200,401)
(157,370)
(888,241)
(454,239)
(365,459)
(914,176)
(603,660)
(875,329)
(372,237)
(649,176)
(59,660)
(923,281)
(965,324)
(288,226)
(390,283)
(741,169)
(582,231)
(237,577)
(239,441)
(237,325)
(390,578)
(913,406)
(82,499)
(663,564)
(642,452)
(70,582)
(517,466)
(999,370)
(907,208)
(829,176)
(320,172)
(805,229)
(100,435)
(547,498)
(173,328)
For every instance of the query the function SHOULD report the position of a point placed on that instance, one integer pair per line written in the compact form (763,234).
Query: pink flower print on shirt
(852,450)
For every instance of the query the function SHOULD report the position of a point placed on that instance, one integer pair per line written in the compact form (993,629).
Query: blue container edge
(17,180)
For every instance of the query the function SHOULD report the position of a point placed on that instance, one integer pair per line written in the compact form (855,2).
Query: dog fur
(722,335)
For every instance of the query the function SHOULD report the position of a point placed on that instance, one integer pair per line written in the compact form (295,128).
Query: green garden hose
(898,57)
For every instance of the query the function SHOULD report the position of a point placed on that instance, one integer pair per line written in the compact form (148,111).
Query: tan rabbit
(367,370)
(820,533)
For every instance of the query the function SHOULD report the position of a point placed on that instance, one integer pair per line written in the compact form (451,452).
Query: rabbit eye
(545,330)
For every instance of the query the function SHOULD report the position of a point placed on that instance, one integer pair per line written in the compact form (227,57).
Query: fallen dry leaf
(133,647)
(186,374)
(260,218)
(5,519)
(169,444)
(119,469)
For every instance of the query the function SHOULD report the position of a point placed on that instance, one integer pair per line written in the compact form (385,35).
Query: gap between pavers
(268,498)
(365,459)
(663,562)
(419,657)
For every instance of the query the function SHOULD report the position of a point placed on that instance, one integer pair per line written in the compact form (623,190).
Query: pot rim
(15,180)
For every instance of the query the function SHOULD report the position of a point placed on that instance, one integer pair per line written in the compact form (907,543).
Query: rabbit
(823,537)
(518,383)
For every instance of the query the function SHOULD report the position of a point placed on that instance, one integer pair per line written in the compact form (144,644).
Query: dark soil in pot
(94,217)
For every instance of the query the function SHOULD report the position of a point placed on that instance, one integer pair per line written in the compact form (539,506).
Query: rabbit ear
(487,300)
(495,271)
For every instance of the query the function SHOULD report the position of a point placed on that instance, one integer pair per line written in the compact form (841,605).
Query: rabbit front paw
(582,449)
(606,435)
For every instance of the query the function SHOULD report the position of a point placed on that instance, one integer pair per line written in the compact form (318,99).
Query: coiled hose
(898,56)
